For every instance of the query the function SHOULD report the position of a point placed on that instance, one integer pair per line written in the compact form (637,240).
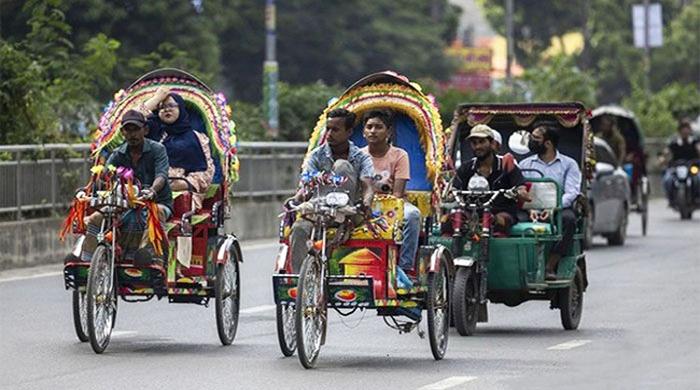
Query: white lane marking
(42,275)
(568,345)
(257,309)
(123,333)
(448,383)
(247,247)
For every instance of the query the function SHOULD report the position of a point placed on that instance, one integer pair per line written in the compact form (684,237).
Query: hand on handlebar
(147,194)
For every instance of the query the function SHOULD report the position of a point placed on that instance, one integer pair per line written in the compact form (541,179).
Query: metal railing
(44,177)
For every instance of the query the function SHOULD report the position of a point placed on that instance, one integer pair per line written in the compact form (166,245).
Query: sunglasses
(168,106)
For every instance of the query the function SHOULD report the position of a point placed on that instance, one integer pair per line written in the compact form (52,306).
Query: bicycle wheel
(310,311)
(227,298)
(286,334)
(101,299)
(438,307)
(80,316)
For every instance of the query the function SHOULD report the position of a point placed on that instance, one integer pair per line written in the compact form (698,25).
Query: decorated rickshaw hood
(568,114)
(212,107)
(391,90)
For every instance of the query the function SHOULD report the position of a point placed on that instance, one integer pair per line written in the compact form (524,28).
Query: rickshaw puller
(340,156)
(565,171)
(149,162)
(496,170)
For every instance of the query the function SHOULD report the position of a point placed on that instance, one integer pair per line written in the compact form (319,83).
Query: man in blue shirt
(340,156)
(565,171)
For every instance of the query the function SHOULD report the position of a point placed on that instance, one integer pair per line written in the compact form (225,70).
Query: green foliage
(250,124)
(659,113)
(559,79)
(300,106)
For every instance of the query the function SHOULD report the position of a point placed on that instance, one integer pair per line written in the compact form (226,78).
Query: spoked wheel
(227,298)
(645,205)
(438,307)
(571,302)
(101,299)
(464,302)
(310,313)
(80,315)
(286,334)
(588,233)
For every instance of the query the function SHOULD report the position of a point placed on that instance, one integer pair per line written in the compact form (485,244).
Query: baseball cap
(133,117)
(481,131)
(497,136)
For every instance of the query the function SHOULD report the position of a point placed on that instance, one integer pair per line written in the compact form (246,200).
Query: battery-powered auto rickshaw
(510,268)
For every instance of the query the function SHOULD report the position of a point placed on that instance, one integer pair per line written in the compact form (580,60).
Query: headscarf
(181,143)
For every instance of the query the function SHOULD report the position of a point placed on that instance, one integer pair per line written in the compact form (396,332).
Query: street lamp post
(270,71)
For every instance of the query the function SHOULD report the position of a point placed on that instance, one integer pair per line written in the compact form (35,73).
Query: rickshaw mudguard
(230,242)
(437,254)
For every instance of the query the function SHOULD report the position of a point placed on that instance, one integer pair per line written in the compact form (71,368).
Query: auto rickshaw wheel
(310,311)
(80,315)
(571,302)
(286,334)
(464,302)
(438,307)
(227,297)
(101,299)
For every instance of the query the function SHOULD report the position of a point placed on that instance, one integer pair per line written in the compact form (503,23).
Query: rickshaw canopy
(209,114)
(627,123)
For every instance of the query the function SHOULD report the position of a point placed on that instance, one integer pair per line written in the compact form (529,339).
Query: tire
(465,310)
(80,316)
(286,334)
(310,314)
(101,300)
(682,204)
(619,236)
(571,302)
(645,208)
(438,307)
(227,298)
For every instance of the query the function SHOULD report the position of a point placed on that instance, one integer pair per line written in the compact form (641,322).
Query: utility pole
(509,42)
(647,49)
(270,71)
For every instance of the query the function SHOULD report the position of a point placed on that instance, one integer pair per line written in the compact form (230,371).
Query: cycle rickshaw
(195,237)
(360,273)
(635,161)
(510,269)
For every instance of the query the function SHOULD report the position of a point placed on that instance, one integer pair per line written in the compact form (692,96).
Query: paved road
(640,329)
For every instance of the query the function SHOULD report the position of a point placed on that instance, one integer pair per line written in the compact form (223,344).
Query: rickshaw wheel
(618,238)
(310,311)
(80,315)
(571,302)
(588,230)
(101,300)
(438,307)
(645,208)
(286,334)
(466,311)
(227,298)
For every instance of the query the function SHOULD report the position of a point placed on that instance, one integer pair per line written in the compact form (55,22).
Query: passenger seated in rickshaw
(610,133)
(188,150)
(500,172)
(391,173)
(341,157)
(149,162)
(565,171)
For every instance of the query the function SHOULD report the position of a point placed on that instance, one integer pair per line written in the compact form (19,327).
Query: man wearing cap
(501,173)
(149,161)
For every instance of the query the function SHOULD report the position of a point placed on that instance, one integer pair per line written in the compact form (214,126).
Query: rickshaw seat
(422,200)
(388,225)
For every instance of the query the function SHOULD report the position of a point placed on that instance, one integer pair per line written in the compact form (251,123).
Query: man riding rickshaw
(509,246)
(357,221)
(137,238)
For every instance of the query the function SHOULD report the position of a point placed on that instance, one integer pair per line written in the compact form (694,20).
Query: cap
(133,117)
(497,136)
(481,131)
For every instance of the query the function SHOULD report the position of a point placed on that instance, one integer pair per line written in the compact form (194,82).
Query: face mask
(535,146)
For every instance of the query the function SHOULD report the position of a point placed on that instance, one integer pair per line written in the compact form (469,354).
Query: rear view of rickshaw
(193,237)
(635,158)
(510,268)
(353,267)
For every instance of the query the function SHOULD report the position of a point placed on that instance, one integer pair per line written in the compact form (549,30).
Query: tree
(559,79)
